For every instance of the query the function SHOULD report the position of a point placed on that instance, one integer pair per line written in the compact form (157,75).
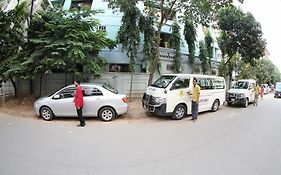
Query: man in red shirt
(78,101)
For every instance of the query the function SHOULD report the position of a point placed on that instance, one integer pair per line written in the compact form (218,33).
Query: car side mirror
(56,97)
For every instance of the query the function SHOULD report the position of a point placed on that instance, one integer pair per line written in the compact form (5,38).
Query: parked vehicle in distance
(266,88)
(277,93)
(242,92)
(99,101)
(168,96)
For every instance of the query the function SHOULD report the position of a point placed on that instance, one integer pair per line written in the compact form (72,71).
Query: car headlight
(241,95)
(160,100)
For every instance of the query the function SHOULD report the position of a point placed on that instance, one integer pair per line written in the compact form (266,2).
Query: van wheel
(215,105)
(107,114)
(179,112)
(46,113)
(246,103)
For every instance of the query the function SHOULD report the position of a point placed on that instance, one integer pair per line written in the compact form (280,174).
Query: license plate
(232,99)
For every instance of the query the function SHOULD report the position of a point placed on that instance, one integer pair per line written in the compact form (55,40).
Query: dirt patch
(19,106)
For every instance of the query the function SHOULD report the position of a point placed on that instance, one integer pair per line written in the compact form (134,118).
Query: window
(67,93)
(102,28)
(119,68)
(211,83)
(180,83)
(170,67)
(218,83)
(91,91)
(202,83)
(81,4)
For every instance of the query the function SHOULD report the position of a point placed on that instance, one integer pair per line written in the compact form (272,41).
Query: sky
(268,14)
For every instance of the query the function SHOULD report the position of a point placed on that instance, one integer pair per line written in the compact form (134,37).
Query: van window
(218,83)
(205,83)
(278,86)
(163,81)
(180,83)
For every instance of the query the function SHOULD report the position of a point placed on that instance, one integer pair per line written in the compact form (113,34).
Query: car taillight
(125,99)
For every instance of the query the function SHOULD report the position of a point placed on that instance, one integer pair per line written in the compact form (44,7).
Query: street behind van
(168,95)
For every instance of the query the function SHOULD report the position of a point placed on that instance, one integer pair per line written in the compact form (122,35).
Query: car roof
(87,84)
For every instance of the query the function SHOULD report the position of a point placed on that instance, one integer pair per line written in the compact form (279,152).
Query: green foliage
(266,72)
(190,38)
(203,57)
(208,42)
(12,25)
(64,41)
(202,11)
(129,32)
(241,33)
(176,40)
(149,47)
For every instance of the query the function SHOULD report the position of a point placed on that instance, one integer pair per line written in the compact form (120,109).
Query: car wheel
(107,114)
(179,112)
(215,105)
(246,102)
(46,113)
(229,103)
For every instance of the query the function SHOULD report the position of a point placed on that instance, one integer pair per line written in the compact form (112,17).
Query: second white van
(168,95)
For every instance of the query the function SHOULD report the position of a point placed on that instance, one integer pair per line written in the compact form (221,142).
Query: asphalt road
(231,141)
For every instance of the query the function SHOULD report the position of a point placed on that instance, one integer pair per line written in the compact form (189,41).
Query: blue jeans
(194,109)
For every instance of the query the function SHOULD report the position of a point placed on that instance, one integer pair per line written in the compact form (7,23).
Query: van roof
(193,75)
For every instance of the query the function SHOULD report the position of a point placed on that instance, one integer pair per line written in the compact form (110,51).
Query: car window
(91,91)
(180,83)
(67,92)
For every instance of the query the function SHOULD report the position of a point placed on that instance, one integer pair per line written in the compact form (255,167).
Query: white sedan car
(99,101)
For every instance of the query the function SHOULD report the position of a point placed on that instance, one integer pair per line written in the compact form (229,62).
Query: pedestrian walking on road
(257,93)
(262,91)
(78,101)
(195,94)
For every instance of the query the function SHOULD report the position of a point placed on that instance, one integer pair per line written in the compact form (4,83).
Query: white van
(242,92)
(168,95)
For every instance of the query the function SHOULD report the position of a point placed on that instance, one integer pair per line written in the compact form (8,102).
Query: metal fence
(6,91)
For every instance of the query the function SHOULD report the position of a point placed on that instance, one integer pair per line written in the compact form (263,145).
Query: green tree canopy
(241,33)
(201,11)
(64,41)
(12,39)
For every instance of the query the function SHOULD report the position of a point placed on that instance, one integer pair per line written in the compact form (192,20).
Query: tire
(216,105)
(179,112)
(229,103)
(107,114)
(246,103)
(46,113)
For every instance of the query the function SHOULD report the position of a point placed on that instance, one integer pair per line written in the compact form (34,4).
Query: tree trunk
(131,86)
(65,78)
(40,89)
(154,67)
(15,86)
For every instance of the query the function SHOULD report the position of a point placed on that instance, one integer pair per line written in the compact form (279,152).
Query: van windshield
(278,86)
(163,81)
(241,85)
